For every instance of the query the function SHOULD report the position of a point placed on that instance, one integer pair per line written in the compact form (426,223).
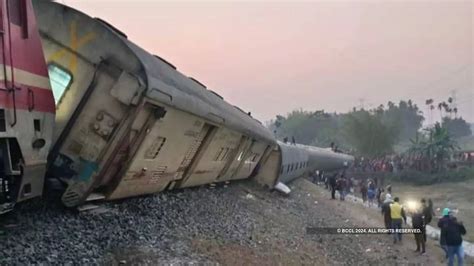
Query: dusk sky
(273,57)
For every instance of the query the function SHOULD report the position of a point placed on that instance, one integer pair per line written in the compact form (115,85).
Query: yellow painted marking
(75,44)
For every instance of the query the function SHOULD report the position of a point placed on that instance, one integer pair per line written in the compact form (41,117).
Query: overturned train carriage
(128,123)
(288,162)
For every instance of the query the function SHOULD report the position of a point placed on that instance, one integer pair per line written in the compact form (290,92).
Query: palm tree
(440,108)
(431,113)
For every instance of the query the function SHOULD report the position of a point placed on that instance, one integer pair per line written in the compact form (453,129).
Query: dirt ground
(283,239)
(457,196)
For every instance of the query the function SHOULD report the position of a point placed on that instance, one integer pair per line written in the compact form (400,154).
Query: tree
(436,147)
(457,127)
(366,132)
(406,117)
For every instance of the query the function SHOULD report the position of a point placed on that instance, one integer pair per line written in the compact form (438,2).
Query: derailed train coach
(290,161)
(128,123)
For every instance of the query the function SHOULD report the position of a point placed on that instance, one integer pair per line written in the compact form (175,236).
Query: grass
(418,178)
(455,195)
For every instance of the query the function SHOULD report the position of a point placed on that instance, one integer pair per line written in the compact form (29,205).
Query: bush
(418,178)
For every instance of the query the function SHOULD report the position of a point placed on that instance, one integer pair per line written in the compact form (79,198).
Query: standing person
(332,185)
(363,190)
(431,208)
(442,236)
(427,211)
(371,193)
(396,214)
(418,222)
(350,185)
(314,176)
(342,188)
(386,211)
(427,215)
(454,230)
(379,196)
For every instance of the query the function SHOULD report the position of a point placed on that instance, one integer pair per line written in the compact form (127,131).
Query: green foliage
(367,133)
(436,146)
(378,129)
(419,178)
(457,127)
(406,117)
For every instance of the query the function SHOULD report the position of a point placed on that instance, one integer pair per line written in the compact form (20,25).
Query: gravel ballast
(239,224)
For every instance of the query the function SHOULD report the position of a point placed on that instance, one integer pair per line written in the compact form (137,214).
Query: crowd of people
(395,214)
(396,163)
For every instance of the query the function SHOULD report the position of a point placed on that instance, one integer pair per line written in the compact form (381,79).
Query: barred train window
(60,81)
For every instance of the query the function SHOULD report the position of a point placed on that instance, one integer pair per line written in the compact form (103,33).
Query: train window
(254,158)
(37,125)
(155,148)
(218,155)
(228,153)
(225,154)
(3,124)
(17,12)
(240,156)
(60,81)
(288,168)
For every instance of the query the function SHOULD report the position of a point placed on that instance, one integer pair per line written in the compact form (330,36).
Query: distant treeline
(372,132)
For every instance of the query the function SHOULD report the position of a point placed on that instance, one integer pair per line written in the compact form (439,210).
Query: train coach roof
(165,84)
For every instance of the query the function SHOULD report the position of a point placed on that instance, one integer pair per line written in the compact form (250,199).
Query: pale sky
(273,57)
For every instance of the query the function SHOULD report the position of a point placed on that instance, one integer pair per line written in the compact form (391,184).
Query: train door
(127,146)
(235,161)
(92,132)
(193,150)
